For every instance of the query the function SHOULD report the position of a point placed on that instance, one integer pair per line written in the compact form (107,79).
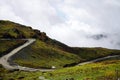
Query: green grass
(96,71)
(105,70)
(93,53)
(14,30)
(8,45)
(46,52)
(42,55)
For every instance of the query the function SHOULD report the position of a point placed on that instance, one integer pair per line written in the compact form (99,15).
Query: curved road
(99,59)
(5,60)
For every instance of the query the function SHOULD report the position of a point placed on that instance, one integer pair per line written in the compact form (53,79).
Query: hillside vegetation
(105,70)
(8,45)
(41,55)
(47,52)
(13,30)
(93,53)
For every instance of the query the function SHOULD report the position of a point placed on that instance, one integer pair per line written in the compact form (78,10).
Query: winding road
(6,62)
(99,59)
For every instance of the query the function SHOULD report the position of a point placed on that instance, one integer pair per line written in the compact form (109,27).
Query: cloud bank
(82,23)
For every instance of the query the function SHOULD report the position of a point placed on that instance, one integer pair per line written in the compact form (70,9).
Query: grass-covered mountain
(47,52)
(10,29)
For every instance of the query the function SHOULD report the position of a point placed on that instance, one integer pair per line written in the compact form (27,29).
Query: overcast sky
(82,23)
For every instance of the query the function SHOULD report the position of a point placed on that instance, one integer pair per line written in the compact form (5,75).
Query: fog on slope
(82,23)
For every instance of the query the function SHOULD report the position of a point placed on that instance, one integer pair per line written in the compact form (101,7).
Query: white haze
(82,23)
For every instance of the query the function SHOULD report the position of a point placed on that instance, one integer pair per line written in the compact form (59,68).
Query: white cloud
(69,21)
(113,2)
(7,13)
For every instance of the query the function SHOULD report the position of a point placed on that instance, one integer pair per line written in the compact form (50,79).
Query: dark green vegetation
(47,52)
(41,55)
(105,70)
(10,29)
(92,53)
(8,45)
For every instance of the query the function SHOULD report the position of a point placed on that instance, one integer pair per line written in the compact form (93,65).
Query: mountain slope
(41,55)
(8,45)
(10,29)
(47,52)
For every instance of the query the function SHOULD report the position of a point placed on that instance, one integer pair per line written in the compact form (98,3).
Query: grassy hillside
(41,55)
(105,70)
(10,29)
(47,52)
(93,53)
(8,45)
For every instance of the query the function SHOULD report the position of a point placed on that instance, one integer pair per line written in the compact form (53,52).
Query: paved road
(5,60)
(99,59)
